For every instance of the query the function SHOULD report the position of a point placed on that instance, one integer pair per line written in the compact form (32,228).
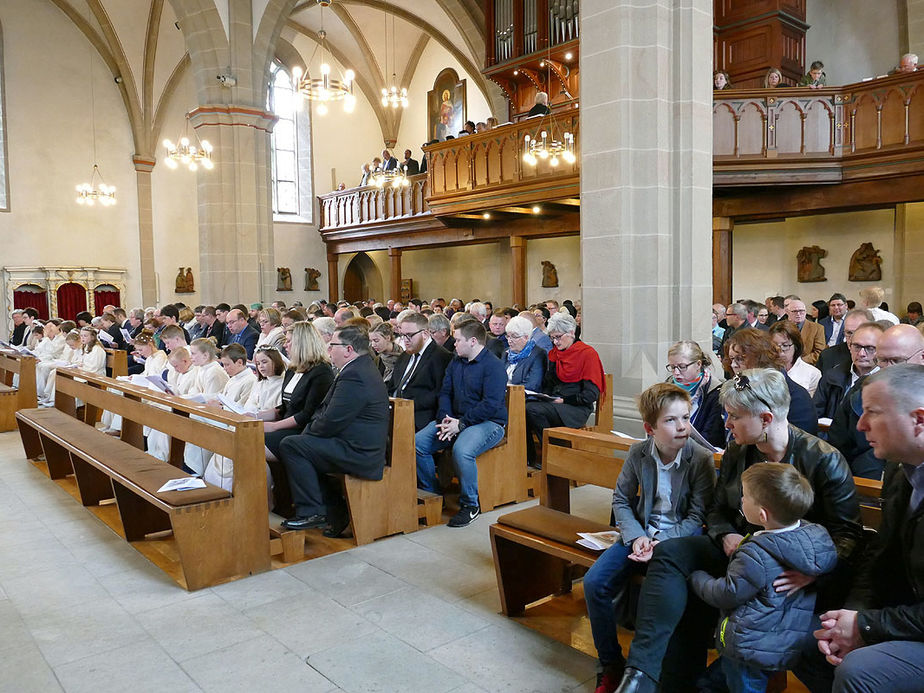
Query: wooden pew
(603,412)
(218,536)
(502,469)
(379,508)
(23,396)
(116,362)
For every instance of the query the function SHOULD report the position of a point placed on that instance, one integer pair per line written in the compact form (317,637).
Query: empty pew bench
(23,395)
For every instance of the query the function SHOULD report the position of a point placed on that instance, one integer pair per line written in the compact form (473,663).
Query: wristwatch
(461,425)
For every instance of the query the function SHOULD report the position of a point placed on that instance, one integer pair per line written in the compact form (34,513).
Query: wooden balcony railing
(854,132)
(370,206)
(487,170)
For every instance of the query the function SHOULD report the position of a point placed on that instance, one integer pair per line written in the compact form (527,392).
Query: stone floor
(81,610)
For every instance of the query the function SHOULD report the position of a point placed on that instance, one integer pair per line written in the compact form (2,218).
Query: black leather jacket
(889,590)
(836,507)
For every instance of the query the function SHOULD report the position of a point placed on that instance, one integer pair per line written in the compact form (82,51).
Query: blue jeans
(602,584)
(742,678)
(470,443)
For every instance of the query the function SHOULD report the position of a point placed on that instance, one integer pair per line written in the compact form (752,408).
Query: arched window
(291,150)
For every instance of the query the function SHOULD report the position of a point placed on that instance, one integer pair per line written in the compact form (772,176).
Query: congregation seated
(71,355)
(240,332)
(646,515)
(441,331)
(750,348)
(210,376)
(525,361)
(497,325)
(756,402)
(418,373)
(574,381)
(838,380)
(347,434)
(788,340)
(470,417)
(382,340)
(271,330)
(690,369)
(304,386)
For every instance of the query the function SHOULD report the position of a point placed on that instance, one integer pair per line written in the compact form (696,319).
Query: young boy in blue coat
(760,630)
(663,490)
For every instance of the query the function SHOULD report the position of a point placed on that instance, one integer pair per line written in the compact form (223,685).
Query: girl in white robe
(211,379)
(71,356)
(155,361)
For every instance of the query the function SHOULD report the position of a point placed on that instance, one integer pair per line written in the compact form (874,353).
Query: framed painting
(446,110)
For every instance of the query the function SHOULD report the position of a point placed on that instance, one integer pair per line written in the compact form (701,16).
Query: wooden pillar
(722,228)
(394,254)
(333,276)
(518,267)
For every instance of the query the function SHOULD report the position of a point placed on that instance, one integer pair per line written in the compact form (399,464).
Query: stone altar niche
(311,279)
(51,278)
(810,268)
(865,264)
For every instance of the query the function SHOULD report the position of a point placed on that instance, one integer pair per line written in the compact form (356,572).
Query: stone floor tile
(345,578)
(109,556)
(54,589)
(259,589)
(309,622)
(419,619)
(254,665)
(143,586)
(368,664)
(193,627)
(141,667)
(27,671)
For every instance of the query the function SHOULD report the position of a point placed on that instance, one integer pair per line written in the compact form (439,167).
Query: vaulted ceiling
(142,45)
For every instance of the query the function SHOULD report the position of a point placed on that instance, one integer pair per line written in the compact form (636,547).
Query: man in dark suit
(418,373)
(837,381)
(170,315)
(834,323)
(239,332)
(389,163)
(411,167)
(754,309)
(19,328)
(347,434)
(839,353)
(213,326)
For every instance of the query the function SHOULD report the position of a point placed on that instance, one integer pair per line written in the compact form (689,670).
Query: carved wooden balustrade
(370,206)
(855,132)
(487,170)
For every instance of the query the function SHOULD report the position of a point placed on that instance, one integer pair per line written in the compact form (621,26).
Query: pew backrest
(13,363)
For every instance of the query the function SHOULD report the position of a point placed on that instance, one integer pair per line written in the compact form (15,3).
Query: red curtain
(32,296)
(104,295)
(72,299)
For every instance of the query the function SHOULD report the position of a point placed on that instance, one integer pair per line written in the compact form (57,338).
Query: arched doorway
(362,279)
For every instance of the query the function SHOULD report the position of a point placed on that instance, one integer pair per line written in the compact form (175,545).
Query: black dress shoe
(635,681)
(338,529)
(311,522)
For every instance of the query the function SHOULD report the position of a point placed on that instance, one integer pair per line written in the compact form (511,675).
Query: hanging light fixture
(549,146)
(324,89)
(392,96)
(96,190)
(395,178)
(189,154)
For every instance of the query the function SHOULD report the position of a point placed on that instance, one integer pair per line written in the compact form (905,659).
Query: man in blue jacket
(470,418)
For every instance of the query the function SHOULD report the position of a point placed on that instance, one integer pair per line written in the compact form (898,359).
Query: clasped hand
(839,635)
(447,429)
(642,549)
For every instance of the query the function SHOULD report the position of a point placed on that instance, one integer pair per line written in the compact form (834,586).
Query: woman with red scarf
(574,380)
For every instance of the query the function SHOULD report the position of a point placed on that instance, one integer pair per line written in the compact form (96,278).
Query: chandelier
(96,191)
(324,89)
(548,148)
(392,96)
(187,153)
(88,194)
(394,178)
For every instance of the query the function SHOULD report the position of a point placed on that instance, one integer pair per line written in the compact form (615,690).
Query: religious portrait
(446,105)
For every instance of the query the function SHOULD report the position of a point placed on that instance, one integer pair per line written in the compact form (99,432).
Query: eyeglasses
(895,360)
(333,344)
(679,367)
(558,337)
(797,312)
(267,347)
(785,346)
(410,335)
(860,348)
(742,383)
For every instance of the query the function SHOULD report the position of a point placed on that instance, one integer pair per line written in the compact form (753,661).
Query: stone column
(909,256)
(333,278)
(646,185)
(235,211)
(394,254)
(722,228)
(518,269)
(143,167)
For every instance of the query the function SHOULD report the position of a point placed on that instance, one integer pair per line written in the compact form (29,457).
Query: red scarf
(578,362)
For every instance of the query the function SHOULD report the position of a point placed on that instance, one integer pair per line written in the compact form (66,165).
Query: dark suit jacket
(309,392)
(389,165)
(424,385)
(353,420)
(423,164)
(16,339)
(218,331)
(832,356)
(828,324)
(530,371)
(760,326)
(413,168)
(497,345)
(538,109)
(116,333)
(831,389)
(247,338)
